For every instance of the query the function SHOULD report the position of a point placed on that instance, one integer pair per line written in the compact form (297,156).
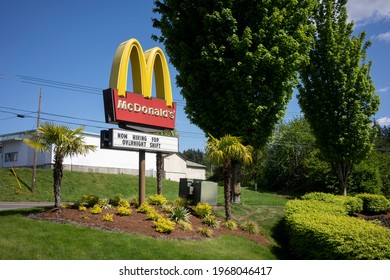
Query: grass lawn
(22,238)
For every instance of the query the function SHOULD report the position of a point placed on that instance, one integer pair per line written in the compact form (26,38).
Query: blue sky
(67,47)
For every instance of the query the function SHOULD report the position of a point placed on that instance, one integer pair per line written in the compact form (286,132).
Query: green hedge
(322,230)
(351,203)
(314,206)
(374,203)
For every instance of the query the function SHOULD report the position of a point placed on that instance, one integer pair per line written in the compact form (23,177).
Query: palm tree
(160,171)
(160,160)
(65,142)
(224,151)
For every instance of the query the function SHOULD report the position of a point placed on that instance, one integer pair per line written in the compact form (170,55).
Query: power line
(69,86)
(104,125)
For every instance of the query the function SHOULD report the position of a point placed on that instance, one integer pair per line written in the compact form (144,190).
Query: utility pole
(35,151)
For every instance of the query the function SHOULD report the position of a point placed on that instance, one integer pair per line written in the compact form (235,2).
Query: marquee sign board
(135,141)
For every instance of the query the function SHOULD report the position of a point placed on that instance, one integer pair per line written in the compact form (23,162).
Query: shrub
(250,226)
(104,204)
(374,203)
(123,203)
(202,209)
(318,234)
(232,225)
(133,200)
(66,206)
(154,215)
(96,209)
(108,217)
(206,231)
(315,206)
(179,213)
(351,204)
(115,200)
(181,201)
(124,211)
(82,208)
(89,199)
(167,208)
(211,221)
(319,196)
(184,225)
(164,225)
(145,208)
(157,199)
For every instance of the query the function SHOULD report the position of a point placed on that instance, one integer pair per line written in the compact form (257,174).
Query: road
(19,205)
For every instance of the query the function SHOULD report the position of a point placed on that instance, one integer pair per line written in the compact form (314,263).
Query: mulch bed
(138,223)
(383,218)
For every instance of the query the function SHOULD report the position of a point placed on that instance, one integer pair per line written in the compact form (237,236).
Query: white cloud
(382,37)
(384,89)
(383,121)
(365,11)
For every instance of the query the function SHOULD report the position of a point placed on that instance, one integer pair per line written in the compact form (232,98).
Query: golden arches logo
(138,109)
(142,65)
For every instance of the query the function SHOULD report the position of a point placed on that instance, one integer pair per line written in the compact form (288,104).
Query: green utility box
(198,191)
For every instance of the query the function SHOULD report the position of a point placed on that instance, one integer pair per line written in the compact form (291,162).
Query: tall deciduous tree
(224,151)
(237,60)
(337,94)
(64,142)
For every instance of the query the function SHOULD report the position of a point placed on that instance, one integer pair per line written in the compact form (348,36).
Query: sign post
(137,111)
(141,177)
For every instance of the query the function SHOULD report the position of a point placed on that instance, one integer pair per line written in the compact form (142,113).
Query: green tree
(64,142)
(336,92)
(237,60)
(194,155)
(289,163)
(291,146)
(198,156)
(224,151)
(383,138)
(383,166)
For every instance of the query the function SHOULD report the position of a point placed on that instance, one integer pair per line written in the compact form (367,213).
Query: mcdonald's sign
(138,109)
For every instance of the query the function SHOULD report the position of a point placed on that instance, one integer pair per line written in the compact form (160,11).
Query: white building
(15,153)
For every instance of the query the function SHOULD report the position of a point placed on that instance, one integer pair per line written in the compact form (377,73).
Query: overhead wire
(86,90)
(104,125)
(71,87)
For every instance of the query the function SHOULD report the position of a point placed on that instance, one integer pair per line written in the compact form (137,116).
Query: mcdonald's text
(137,108)
(134,109)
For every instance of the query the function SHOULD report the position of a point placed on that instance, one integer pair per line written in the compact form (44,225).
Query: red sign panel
(135,110)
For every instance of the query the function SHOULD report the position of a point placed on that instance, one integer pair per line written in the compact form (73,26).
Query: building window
(11,157)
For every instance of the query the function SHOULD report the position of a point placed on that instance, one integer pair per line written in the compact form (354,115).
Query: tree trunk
(160,171)
(227,176)
(235,182)
(57,179)
(343,170)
